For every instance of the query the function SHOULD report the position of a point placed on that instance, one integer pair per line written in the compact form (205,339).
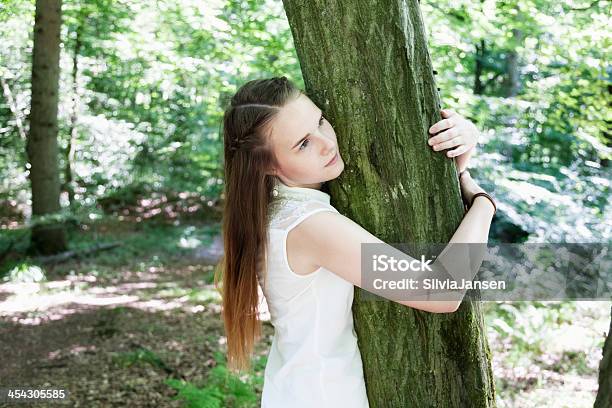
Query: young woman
(280,231)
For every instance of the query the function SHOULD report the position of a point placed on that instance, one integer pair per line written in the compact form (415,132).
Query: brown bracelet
(488,197)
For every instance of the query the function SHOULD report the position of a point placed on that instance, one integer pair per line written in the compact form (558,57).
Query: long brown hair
(248,193)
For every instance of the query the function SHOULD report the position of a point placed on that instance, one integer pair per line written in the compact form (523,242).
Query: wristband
(488,197)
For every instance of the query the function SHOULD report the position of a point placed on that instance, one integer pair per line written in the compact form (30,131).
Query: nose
(327,144)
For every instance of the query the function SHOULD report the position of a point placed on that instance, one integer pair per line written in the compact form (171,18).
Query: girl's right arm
(334,241)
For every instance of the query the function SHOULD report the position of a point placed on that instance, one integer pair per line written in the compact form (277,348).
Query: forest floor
(113,328)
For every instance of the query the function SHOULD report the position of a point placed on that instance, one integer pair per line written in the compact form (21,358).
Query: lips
(333,160)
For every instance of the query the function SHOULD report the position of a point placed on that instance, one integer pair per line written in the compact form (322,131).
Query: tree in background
(89,26)
(368,67)
(604,393)
(42,149)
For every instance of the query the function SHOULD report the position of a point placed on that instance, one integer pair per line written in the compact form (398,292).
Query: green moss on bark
(367,66)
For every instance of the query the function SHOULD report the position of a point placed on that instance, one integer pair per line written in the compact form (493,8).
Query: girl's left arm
(455,132)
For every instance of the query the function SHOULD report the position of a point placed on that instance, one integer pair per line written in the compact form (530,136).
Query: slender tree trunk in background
(72,131)
(511,79)
(607,137)
(42,146)
(6,89)
(480,55)
(19,122)
(604,394)
(367,66)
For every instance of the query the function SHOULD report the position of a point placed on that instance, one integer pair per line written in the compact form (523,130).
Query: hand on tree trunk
(456,132)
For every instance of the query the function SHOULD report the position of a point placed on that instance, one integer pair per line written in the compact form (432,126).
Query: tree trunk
(479,58)
(42,146)
(72,131)
(511,79)
(366,65)
(604,394)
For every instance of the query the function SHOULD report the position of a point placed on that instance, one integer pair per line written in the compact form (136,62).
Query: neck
(315,186)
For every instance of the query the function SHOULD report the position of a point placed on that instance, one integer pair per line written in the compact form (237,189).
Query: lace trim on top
(292,202)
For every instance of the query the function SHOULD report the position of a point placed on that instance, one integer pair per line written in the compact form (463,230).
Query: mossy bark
(366,64)
(604,393)
(42,146)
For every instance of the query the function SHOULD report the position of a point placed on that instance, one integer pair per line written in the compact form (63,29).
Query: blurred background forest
(142,90)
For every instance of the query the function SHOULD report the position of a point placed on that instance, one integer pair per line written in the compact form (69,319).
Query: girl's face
(304,143)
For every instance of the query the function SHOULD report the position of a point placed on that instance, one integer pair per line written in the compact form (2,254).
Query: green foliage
(16,18)
(544,348)
(537,333)
(142,355)
(525,324)
(222,389)
(152,81)
(557,125)
(210,397)
(126,195)
(146,244)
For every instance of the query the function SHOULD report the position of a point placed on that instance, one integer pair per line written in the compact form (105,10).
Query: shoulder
(325,225)
(333,241)
(328,232)
(319,222)
(289,214)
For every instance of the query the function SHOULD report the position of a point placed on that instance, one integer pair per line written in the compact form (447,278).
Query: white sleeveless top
(314,360)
